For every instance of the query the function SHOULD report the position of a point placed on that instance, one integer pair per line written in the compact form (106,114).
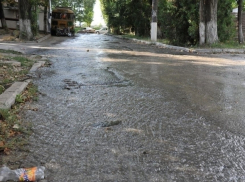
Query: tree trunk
(208,21)
(2,17)
(45,19)
(25,14)
(240,33)
(211,22)
(202,28)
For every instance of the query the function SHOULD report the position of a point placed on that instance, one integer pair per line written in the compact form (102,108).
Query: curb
(219,51)
(161,45)
(36,66)
(184,49)
(7,98)
(43,38)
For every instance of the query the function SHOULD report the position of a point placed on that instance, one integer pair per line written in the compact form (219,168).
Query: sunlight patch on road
(133,130)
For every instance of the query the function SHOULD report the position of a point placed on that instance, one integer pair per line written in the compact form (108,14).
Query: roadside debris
(107,123)
(22,174)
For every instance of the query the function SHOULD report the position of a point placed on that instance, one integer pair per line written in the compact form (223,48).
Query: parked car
(87,30)
(90,30)
(102,30)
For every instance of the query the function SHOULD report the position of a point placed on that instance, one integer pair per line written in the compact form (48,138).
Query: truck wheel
(53,32)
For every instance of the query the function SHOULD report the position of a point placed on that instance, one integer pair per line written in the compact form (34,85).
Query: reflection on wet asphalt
(114,110)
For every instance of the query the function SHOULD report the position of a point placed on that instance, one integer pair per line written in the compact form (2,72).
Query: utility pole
(154,21)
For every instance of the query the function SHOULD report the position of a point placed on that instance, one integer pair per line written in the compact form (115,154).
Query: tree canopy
(178,20)
(83,8)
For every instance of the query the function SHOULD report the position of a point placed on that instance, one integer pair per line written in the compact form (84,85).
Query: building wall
(14,16)
(41,21)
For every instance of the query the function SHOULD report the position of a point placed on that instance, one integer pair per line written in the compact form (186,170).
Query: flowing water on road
(114,110)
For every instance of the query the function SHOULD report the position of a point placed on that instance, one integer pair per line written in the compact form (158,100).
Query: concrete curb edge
(7,98)
(184,49)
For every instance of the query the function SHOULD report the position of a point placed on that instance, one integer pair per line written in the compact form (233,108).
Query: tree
(128,14)
(140,15)
(88,13)
(83,9)
(114,13)
(178,21)
(208,21)
(240,33)
(25,13)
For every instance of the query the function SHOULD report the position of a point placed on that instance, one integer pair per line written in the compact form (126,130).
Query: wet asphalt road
(112,110)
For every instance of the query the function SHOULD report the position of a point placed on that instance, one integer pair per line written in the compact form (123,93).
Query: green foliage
(165,18)
(88,13)
(230,44)
(83,9)
(2,89)
(19,99)
(140,17)
(235,4)
(24,61)
(13,132)
(133,15)
(32,91)
(8,116)
(226,24)
(34,25)
(179,21)
(9,51)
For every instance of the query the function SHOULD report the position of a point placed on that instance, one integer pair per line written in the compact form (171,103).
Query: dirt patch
(13,36)
(13,67)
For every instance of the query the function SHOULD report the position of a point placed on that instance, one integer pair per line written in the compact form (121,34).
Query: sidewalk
(7,38)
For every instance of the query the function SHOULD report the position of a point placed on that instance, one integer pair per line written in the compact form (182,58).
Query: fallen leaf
(7,151)
(16,126)
(11,133)
(1,143)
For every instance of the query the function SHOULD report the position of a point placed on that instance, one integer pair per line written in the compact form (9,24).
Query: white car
(86,30)
(102,30)
(90,30)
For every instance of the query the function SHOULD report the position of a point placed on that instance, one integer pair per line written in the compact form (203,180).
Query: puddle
(104,77)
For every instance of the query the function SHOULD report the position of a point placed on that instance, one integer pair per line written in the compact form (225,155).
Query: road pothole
(69,84)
